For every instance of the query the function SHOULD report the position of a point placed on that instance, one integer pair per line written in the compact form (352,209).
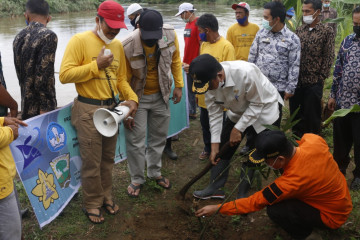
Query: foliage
(342,113)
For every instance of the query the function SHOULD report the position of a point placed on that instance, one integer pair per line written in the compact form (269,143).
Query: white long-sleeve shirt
(251,99)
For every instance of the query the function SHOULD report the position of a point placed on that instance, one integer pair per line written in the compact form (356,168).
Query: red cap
(113,13)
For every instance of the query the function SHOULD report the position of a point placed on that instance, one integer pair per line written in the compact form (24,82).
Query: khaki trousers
(97,153)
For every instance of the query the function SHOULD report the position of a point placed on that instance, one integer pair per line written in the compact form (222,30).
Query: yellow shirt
(152,82)
(241,37)
(222,50)
(79,66)
(7,164)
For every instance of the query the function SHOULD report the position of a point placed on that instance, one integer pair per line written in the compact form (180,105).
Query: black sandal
(134,187)
(106,206)
(163,180)
(93,215)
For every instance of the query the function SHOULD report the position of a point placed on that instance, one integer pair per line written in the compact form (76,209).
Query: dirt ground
(157,214)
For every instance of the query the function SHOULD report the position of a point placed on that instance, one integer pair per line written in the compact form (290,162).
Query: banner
(48,162)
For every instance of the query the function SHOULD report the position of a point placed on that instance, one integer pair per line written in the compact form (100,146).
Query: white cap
(242,5)
(185,7)
(133,8)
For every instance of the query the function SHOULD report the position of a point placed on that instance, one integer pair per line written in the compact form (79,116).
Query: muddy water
(66,25)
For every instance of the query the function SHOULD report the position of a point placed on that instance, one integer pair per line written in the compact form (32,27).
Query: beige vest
(135,55)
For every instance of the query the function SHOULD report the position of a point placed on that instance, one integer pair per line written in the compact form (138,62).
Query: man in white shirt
(252,102)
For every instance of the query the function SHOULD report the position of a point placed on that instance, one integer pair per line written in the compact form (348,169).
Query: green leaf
(272,127)
(336,20)
(342,113)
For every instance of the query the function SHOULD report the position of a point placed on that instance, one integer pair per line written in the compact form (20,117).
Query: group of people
(239,83)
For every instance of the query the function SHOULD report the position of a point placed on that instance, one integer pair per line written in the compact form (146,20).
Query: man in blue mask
(328,12)
(242,34)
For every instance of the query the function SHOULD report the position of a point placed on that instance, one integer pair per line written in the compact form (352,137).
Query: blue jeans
(10,219)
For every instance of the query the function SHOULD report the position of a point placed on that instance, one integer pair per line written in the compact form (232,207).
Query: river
(66,25)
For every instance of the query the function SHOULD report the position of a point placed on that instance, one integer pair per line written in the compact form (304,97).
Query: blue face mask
(241,21)
(27,23)
(266,25)
(326,5)
(202,36)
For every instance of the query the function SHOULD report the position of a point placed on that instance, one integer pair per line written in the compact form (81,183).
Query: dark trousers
(205,126)
(295,217)
(309,100)
(216,180)
(346,132)
(191,95)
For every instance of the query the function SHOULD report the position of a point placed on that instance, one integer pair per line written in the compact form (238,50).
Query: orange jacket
(311,176)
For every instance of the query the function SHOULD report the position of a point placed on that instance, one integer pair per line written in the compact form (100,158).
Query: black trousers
(346,132)
(295,217)
(309,100)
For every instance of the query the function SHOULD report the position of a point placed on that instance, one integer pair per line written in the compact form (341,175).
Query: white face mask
(309,19)
(102,35)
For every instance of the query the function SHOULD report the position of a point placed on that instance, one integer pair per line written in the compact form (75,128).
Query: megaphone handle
(112,91)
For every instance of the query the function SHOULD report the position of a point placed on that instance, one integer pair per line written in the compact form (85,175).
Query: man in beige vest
(152,55)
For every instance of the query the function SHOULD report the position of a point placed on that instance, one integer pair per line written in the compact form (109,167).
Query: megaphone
(107,122)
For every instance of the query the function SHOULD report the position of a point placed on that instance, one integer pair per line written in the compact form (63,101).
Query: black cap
(270,144)
(150,24)
(203,69)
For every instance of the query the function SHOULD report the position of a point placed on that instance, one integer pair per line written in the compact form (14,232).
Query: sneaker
(202,194)
(204,155)
(355,184)
(192,116)
(170,153)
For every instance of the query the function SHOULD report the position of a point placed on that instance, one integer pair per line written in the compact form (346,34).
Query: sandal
(162,180)
(88,214)
(106,206)
(135,188)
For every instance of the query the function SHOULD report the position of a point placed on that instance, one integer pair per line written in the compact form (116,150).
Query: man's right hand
(129,123)
(103,61)
(331,104)
(15,130)
(13,121)
(214,153)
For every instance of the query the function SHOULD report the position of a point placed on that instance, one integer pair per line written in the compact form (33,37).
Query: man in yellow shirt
(242,34)
(10,219)
(98,78)
(152,55)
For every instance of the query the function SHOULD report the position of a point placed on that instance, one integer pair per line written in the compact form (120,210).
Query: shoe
(134,187)
(170,153)
(162,180)
(355,184)
(113,206)
(192,116)
(175,137)
(93,215)
(245,150)
(24,212)
(247,175)
(204,155)
(204,194)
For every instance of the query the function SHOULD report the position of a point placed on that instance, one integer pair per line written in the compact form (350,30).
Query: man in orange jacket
(310,193)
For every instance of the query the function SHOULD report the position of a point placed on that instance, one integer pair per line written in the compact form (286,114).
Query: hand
(214,152)
(206,211)
(132,105)
(13,121)
(235,137)
(104,61)
(15,130)
(13,112)
(287,96)
(129,123)
(186,67)
(331,104)
(177,93)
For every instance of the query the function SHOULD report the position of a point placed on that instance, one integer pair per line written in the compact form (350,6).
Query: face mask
(326,5)
(132,22)
(309,19)
(150,42)
(187,20)
(202,36)
(266,25)
(26,22)
(102,36)
(241,21)
(357,31)
(272,165)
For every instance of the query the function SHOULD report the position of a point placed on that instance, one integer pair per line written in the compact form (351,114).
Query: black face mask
(357,31)
(133,22)
(150,42)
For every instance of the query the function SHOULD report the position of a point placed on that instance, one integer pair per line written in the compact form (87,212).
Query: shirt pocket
(282,49)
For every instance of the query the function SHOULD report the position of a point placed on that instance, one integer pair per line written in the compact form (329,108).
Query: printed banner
(48,162)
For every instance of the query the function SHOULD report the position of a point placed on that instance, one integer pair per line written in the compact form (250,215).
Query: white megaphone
(107,122)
